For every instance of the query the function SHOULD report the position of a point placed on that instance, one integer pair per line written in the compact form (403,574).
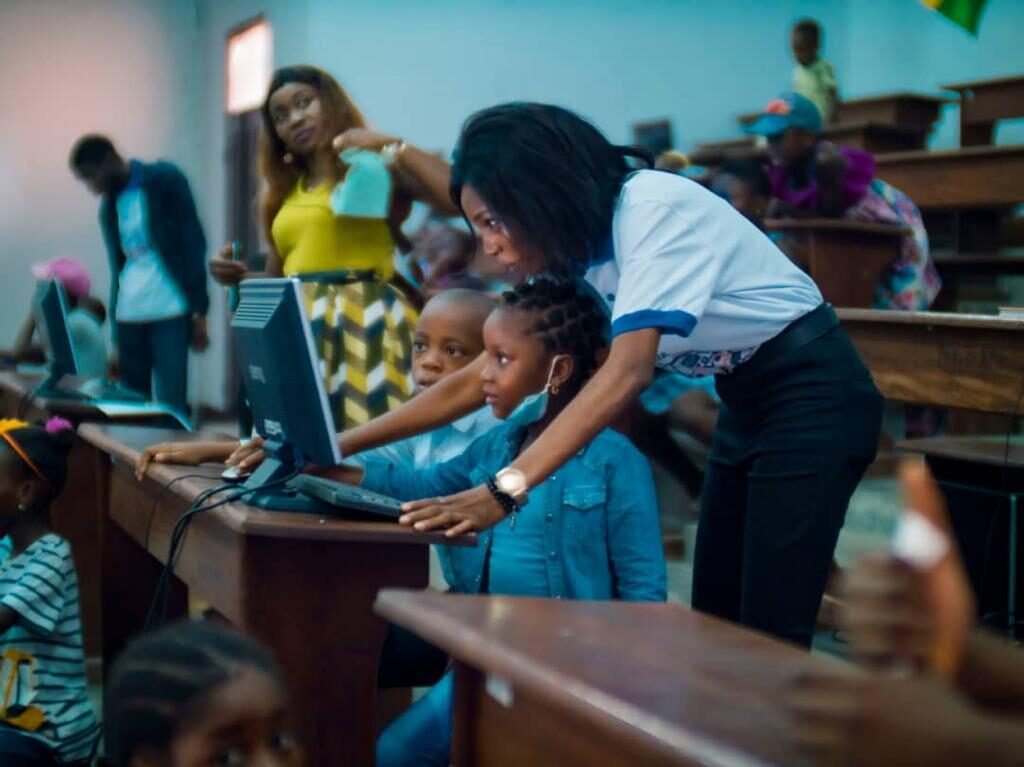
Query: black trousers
(799,425)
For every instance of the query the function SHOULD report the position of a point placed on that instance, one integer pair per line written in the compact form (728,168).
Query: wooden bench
(983,103)
(846,259)
(904,110)
(898,110)
(873,137)
(976,185)
(975,177)
(876,138)
(544,682)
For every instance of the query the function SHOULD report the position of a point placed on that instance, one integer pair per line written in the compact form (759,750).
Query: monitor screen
(50,306)
(281,372)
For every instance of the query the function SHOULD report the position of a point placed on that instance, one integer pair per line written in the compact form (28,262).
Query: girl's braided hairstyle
(570,320)
(162,677)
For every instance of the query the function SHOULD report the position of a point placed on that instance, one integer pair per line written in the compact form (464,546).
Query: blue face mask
(534,406)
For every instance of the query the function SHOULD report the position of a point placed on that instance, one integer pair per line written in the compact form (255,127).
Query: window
(250,62)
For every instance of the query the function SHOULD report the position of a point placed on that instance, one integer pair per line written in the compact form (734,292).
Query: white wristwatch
(512,483)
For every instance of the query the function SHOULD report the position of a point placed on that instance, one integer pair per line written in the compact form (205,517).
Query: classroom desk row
(537,682)
(306,586)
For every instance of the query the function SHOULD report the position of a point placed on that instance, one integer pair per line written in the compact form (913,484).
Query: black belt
(796,335)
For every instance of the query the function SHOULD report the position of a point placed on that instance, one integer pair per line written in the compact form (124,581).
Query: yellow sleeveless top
(310,238)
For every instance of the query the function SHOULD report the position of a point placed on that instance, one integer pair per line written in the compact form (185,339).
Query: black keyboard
(346,496)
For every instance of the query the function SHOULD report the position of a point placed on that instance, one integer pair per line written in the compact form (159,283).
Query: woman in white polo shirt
(693,287)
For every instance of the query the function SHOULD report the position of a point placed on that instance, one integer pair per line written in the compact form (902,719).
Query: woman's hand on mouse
(469,511)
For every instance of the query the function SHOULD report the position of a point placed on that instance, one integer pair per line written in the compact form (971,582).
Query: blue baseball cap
(790,110)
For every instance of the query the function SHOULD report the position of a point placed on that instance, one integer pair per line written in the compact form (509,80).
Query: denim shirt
(602,535)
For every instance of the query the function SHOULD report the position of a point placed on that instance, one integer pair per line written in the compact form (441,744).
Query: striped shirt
(40,585)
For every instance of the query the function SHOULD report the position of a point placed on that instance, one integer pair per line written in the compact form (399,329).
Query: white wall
(898,45)
(66,68)
(419,69)
(151,73)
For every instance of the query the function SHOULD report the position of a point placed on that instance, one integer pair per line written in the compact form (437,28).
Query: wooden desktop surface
(607,683)
(966,361)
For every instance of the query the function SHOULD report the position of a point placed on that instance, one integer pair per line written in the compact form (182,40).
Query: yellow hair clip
(7,425)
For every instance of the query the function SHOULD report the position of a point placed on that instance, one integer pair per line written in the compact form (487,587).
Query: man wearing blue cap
(807,175)
(812,177)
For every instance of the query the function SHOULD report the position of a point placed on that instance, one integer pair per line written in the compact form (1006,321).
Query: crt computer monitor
(281,372)
(50,307)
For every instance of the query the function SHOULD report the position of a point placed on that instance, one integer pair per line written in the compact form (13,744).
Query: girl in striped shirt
(45,713)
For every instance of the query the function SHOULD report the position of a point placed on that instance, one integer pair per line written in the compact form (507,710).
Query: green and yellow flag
(965,13)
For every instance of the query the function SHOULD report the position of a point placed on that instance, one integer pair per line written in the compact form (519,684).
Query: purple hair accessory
(56,424)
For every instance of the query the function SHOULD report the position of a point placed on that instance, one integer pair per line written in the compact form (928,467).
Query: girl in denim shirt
(590,531)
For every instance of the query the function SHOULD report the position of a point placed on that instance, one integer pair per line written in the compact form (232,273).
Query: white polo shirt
(682,260)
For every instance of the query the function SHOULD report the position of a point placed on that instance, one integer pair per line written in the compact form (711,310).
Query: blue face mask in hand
(365,192)
(534,406)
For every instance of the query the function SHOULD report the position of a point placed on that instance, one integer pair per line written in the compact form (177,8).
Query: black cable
(156,500)
(160,592)
(158,607)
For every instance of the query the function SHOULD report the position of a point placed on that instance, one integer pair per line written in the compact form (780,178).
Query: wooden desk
(863,134)
(983,103)
(973,362)
(305,585)
(976,177)
(900,110)
(907,110)
(845,258)
(983,481)
(605,684)
(875,137)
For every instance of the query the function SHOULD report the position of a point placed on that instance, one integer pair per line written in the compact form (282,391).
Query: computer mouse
(231,474)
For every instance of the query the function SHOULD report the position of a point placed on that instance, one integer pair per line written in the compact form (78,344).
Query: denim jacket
(602,531)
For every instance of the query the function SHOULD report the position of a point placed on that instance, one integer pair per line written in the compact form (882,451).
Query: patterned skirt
(362,330)
(912,281)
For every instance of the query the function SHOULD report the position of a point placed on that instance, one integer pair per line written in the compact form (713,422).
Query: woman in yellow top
(333,223)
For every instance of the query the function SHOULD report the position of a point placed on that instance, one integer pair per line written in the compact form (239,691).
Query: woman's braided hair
(570,320)
(162,677)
